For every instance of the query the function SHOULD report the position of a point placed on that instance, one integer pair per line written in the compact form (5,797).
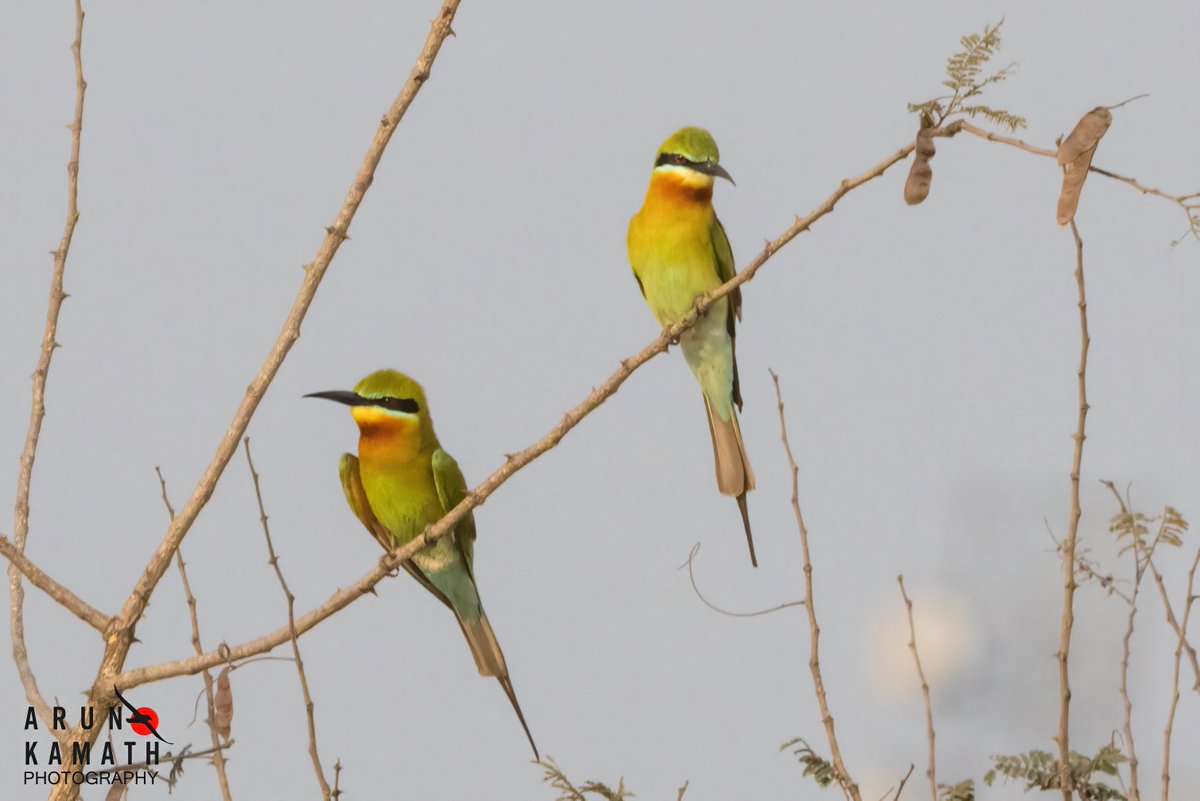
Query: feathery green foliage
(963,791)
(963,79)
(1040,771)
(1132,529)
(815,765)
(569,792)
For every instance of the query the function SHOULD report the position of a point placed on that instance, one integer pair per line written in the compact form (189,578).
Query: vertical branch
(121,639)
(1188,600)
(930,773)
(336,792)
(16,593)
(326,793)
(218,757)
(1133,794)
(814,662)
(1068,610)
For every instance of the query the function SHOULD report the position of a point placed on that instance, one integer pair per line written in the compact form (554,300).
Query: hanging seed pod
(223,705)
(1075,157)
(117,792)
(920,176)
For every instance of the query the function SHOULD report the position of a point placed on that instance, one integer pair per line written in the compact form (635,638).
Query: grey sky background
(927,355)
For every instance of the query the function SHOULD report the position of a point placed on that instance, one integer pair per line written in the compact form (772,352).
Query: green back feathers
(694,144)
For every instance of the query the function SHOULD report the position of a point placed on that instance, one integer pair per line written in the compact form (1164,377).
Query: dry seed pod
(920,176)
(117,792)
(1075,157)
(223,704)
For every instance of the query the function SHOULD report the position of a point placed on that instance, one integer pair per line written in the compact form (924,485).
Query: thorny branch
(1068,609)
(814,663)
(69,600)
(930,773)
(16,593)
(218,758)
(326,793)
(389,563)
(122,638)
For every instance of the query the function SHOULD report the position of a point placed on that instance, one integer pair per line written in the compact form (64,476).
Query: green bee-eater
(679,251)
(401,482)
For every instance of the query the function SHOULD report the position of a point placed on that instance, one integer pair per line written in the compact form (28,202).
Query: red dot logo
(144,713)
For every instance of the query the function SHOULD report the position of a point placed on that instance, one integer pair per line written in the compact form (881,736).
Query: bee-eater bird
(401,482)
(679,252)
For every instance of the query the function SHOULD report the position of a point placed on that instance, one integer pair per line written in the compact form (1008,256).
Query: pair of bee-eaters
(403,481)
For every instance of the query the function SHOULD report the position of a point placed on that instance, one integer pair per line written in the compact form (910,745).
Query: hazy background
(927,355)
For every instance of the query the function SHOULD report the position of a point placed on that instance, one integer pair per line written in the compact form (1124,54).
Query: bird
(403,481)
(679,252)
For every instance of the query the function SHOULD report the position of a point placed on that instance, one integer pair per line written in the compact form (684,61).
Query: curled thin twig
(695,588)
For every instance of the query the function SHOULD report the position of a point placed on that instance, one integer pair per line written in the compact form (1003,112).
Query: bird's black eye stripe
(672,158)
(407,405)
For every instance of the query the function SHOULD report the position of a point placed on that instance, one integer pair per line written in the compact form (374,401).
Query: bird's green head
(691,152)
(388,407)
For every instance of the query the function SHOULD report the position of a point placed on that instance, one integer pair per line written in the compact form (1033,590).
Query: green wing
(451,489)
(725,271)
(356,497)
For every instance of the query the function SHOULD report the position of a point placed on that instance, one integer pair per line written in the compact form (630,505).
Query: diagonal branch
(73,603)
(516,461)
(1174,624)
(326,793)
(134,606)
(814,662)
(16,593)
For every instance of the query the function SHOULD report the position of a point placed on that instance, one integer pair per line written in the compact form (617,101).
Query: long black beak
(342,396)
(713,169)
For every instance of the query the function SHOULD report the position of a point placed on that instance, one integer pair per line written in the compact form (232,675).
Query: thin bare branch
(326,793)
(930,771)
(218,760)
(16,593)
(514,462)
(1139,568)
(1088,568)
(184,753)
(1185,201)
(69,600)
(814,661)
(135,604)
(336,792)
(695,588)
(1174,624)
(1068,608)
(1188,601)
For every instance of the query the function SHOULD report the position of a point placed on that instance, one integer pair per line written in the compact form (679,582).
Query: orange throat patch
(386,437)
